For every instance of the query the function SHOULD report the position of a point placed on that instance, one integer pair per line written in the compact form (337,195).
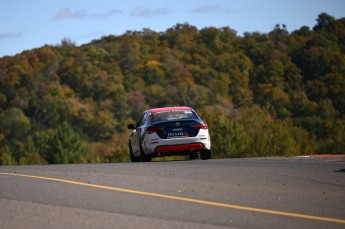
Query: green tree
(54,105)
(323,21)
(65,146)
(229,138)
(6,156)
(29,153)
(14,124)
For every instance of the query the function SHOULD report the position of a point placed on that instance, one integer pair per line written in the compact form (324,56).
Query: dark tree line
(263,94)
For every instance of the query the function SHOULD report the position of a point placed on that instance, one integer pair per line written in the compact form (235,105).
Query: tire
(193,156)
(143,157)
(206,154)
(131,155)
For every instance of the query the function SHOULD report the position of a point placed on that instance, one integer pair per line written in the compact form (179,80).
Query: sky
(29,24)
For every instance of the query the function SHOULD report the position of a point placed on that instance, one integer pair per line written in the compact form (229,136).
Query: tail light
(201,126)
(153,129)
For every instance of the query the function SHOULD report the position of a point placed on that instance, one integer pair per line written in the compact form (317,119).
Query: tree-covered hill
(263,94)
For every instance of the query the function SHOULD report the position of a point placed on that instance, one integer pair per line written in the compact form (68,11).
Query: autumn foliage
(262,94)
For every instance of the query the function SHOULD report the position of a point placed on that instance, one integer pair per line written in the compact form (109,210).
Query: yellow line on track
(260,210)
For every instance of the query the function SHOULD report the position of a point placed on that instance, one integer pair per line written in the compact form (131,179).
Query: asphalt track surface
(294,192)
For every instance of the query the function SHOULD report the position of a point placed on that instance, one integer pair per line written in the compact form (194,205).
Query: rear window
(173,115)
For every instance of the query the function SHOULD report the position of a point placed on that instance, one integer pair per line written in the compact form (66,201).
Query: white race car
(169,131)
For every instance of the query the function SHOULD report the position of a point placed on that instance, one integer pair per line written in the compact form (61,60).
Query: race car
(169,131)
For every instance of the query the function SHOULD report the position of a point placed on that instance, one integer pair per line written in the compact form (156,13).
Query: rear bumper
(153,144)
(177,148)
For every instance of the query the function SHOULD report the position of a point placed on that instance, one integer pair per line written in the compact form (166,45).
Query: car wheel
(206,154)
(193,156)
(131,155)
(143,157)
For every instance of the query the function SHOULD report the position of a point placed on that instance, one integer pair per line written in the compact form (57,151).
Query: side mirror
(131,127)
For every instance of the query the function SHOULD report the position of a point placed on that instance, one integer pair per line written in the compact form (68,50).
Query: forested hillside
(262,94)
